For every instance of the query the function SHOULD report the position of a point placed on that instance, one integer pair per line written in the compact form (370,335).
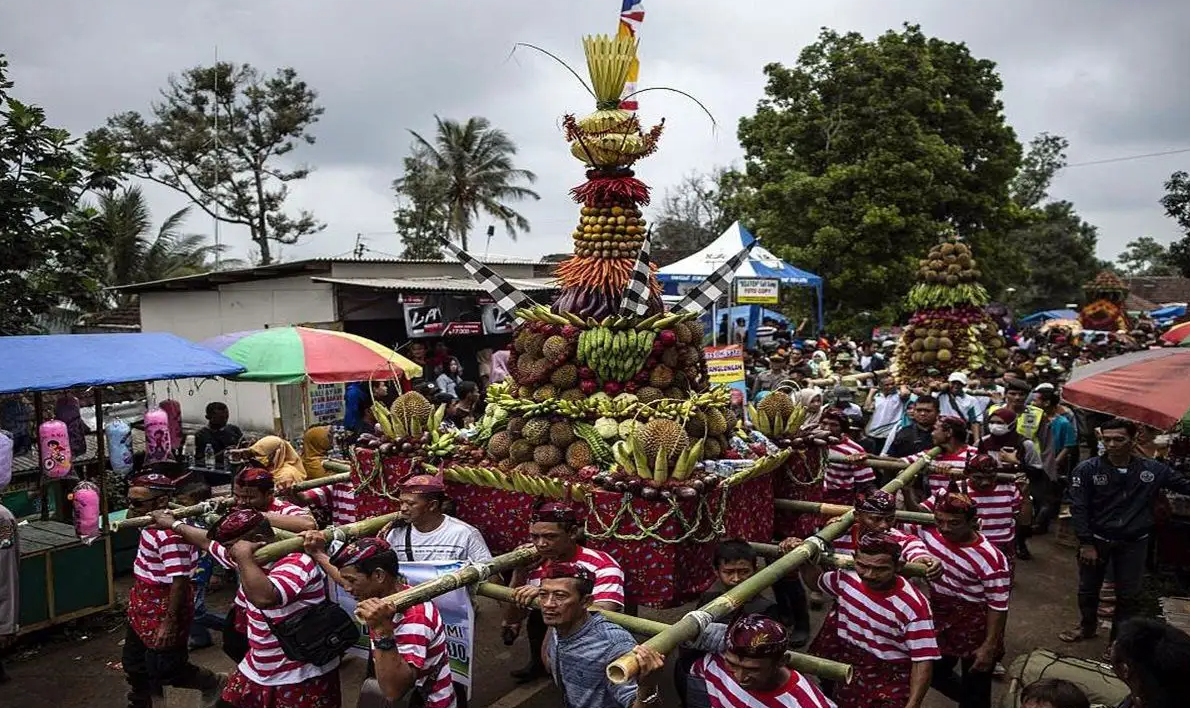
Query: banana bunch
(541,313)
(576,409)
(664,320)
(630,455)
(614,407)
(478,476)
(716,397)
(615,355)
(537,486)
(777,426)
(672,408)
(764,465)
(441,444)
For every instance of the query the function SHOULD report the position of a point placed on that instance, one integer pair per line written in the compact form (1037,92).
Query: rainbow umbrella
(1178,334)
(284,355)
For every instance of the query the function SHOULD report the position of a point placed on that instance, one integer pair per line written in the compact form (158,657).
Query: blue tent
(1168,313)
(58,361)
(1047,315)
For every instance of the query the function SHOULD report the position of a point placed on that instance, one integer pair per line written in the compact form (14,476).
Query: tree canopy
(421,216)
(1176,203)
(472,166)
(223,136)
(1146,256)
(48,259)
(865,151)
(697,210)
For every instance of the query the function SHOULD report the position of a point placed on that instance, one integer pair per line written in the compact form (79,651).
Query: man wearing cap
(777,373)
(554,530)
(744,668)
(428,533)
(267,677)
(954,401)
(253,489)
(161,606)
(408,647)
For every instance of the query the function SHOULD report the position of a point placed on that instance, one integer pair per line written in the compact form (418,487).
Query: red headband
(981,463)
(424,484)
(553,512)
(255,477)
(154,481)
(877,502)
(234,524)
(757,637)
(359,551)
(555,571)
(879,543)
(955,503)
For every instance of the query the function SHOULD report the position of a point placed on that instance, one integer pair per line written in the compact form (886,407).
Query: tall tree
(862,153)
(1177,206)
(1045,157)
(222,135)
(135,252)
(695,211)
(1146,256)
(474,163)
(421,215)
(47,257)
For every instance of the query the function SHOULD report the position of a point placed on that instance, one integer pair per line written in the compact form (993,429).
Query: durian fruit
(536,430)
(665,436)
(675,393)
(578,454)
(565,376)
(506,465)
(695,328)
(732,421)
(648,394)
(555,348)
(521,451)
(515,425)
(530,469)
(561,471)
(561,434)
(716,422)
(696,425)
(525,366)
(498,446)
(535,343)
(547,456)
(669,357)
(661,376)
(525,392)
(412,406)
(573,394)
(683,333)
(545,393)
(712,449)
(777,403)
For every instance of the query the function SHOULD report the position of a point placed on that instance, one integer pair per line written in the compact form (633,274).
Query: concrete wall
(198,315)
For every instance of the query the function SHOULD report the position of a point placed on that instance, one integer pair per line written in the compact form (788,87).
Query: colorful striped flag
(632,16)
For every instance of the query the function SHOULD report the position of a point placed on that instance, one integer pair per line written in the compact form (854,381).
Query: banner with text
(725,366)
(442,316)
(757,291)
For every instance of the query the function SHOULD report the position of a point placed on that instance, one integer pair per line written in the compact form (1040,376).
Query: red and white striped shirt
(895,625)
(299,583)
(161,556)
(285,508)
(609,577)
(339,498)
(220,553)
(421,642)
(846,475)
(956,460)
(912,548)
(995,508)
(975,572)
(724,692)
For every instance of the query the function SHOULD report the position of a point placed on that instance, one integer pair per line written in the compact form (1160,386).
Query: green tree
(697,210)
(48,259)
(862,153)
(1176,203)
(1146,256)
(421,215)
(135,252)
(474,164)
(222,135)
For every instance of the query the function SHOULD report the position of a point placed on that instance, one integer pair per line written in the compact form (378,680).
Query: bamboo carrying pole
(320,482)
(836,561)
(185,512)
(833,510)
(367,527)
(466,575)
(806,663)
(691,624)
(894,464)
(862,376)
(336,467)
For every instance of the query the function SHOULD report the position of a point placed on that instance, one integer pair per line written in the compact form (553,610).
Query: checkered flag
(709,291)
(637,292)
(507,297)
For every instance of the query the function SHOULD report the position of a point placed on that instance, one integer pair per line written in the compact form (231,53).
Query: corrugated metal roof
(440,284)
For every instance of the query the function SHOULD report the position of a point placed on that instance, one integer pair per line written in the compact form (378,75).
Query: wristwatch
(653,698)
(385,643)
(176,524)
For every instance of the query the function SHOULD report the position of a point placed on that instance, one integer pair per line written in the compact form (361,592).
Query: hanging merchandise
(85,499)
(6,447)
(156,436)
(173,409)
(66,409)
(119,446)
(54,441)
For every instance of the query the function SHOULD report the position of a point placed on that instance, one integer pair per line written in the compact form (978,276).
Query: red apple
(589,386)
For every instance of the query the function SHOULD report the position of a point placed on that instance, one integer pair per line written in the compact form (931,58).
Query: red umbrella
(1150,387)
(1177,334)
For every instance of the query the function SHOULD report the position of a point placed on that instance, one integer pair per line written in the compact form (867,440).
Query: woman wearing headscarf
(316,443)
(277,456)
(810,398)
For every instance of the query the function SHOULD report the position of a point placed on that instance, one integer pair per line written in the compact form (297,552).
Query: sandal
(1073,636)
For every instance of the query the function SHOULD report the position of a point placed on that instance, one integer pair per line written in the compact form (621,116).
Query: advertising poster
(442,316)
(725,366)
(757,291)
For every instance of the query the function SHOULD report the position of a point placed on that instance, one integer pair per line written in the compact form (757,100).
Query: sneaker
(211,695)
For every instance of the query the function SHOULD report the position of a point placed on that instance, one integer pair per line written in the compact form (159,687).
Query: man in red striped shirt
(970,601)
(950,434)
(253,489)
(554,530)
(408,648)
(841,479)
(880,624)
(338,499)
(161,606)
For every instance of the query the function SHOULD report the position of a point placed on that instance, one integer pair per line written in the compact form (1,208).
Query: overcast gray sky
(1110,76)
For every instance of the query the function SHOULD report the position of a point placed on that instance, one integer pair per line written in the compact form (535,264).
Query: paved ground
(79,666)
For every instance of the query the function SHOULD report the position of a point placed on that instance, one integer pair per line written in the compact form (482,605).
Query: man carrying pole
(950,434)
(875,512)
(253,489)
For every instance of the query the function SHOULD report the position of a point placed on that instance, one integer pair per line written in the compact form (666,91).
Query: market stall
(64,577)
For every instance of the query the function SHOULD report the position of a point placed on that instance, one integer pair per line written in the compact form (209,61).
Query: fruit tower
(1104,310)
(949,329)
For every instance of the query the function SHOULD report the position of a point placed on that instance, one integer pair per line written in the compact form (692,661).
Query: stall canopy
(760,264)
(1168,313)
(58,361)
(1047,315)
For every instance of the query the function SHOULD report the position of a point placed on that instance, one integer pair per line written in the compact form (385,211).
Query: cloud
(1108,77)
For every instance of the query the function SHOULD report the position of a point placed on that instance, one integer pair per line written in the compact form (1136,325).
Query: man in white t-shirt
(957,403)
(429,534)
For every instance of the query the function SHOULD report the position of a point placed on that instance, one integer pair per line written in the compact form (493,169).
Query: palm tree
(475,162)
(133,253)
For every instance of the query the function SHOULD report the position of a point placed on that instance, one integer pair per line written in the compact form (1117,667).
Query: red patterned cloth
(376,492)
(148,604)
(501,517)
(318,692)
(793,481)
(750,510)
(875,683)
(962,626)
